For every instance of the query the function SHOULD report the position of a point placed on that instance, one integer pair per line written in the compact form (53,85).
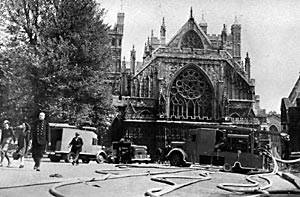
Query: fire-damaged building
(194,79)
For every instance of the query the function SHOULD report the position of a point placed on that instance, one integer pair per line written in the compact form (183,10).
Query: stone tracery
(191,95)
(191,40)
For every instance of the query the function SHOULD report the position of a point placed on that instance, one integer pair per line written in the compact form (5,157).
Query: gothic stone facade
(193,79)
(116,37)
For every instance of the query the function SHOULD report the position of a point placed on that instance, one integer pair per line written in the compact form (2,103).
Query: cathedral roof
(188,27)
(286,103)
(295,93)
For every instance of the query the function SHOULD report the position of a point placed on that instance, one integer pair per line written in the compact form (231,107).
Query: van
(61,135)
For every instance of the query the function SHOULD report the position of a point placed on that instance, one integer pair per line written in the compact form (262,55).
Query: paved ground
(134,181)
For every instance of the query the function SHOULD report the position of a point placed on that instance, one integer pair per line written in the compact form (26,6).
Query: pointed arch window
(191,40)
(191,95)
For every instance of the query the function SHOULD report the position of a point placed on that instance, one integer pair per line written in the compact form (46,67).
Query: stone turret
(163,33)
(248,66)
(236,40)
(132,60)
(224,37)
(123,77)
(120,23)
(203,24)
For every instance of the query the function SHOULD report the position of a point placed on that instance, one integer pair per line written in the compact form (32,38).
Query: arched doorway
(191,95)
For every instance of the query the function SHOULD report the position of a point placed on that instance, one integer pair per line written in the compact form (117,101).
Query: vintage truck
(61,135)
(232,148)
(126,152)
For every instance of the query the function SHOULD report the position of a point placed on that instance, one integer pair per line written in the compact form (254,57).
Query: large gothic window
(191,95)
(191,40)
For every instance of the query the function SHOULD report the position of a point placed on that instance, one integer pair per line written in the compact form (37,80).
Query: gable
(295,93)
(191,40)
(190,35)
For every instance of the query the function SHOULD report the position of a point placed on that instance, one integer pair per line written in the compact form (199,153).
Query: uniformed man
(40,138)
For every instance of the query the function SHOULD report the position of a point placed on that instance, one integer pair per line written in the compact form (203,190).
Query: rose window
(191,95)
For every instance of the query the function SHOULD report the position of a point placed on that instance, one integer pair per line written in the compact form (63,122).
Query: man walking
(76,144)
(6,138)
(40,138)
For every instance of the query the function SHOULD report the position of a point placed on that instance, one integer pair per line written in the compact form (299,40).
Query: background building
(116,37)
(290,116)
(192,80)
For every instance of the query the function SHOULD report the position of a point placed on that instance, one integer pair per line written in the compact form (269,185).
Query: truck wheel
(176,159)
(54,158)
(70,157)
(100,158)
(227,167)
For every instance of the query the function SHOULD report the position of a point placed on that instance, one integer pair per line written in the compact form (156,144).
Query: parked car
(62,134)
(126,152)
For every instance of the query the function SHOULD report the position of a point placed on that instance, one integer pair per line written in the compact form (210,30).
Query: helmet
(16,155)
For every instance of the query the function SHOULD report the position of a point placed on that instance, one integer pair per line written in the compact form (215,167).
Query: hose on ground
(254,186)
(288,161)
(110,175)
(155,192)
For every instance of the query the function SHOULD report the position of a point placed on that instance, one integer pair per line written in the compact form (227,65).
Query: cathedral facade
(193,80)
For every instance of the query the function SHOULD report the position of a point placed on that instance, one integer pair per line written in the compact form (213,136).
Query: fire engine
(231,147)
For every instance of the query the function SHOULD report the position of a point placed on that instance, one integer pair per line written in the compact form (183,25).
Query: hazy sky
(270,33)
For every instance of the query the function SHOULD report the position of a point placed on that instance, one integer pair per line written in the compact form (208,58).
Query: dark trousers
(76,152)
(37,154)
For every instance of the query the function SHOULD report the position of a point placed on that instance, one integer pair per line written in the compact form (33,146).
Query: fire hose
(155,192)
(110,174)
(288,161)
(254,187)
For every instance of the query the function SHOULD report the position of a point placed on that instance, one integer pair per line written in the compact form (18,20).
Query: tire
(70,157)
(227,167)
(176,159)
(54,158)
(100,158)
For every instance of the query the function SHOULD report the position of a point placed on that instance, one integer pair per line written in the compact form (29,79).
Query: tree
(16,94)
(67,42)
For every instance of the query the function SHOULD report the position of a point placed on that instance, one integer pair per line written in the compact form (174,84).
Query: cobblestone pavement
(108,180)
